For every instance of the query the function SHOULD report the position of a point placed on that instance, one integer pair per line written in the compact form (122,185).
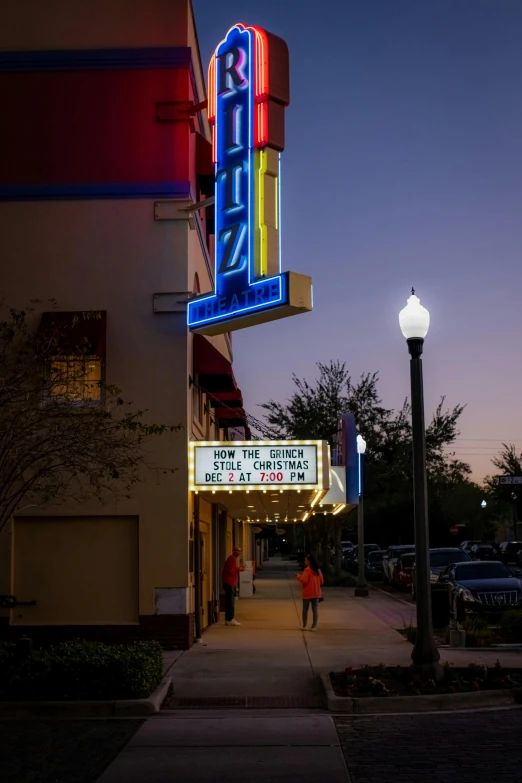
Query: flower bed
(385,681)
(81,670)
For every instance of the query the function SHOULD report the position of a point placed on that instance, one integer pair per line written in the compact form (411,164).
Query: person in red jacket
(311,580)
(229,578)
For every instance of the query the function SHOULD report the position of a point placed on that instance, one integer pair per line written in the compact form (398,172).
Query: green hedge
(82,670)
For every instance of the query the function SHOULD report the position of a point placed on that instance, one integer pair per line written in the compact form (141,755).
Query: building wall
(81,571)
(87,162)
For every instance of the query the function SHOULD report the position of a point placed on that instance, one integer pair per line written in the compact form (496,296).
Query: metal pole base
(361,591)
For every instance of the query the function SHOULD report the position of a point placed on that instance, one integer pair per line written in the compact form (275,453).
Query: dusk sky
(402,167)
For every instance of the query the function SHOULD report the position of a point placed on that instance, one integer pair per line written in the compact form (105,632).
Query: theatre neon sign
(248,92)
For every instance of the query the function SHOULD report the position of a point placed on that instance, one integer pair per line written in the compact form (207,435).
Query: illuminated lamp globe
(414,319)
(361,444)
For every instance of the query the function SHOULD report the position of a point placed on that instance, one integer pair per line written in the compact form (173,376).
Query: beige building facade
(107,150)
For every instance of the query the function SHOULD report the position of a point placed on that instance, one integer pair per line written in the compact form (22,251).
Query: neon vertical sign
(248,93)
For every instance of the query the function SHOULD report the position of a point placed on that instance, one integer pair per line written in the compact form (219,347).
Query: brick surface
(482,747)
(61,751)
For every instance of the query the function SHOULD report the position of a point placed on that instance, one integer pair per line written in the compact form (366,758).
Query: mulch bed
(400,681)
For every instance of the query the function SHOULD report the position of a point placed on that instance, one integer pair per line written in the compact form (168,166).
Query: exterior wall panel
(80,570)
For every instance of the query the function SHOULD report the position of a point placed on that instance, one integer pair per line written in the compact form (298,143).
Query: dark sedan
(373,565)
(481,588)
(351,563)
(440,558)
(509,552)
(483,552)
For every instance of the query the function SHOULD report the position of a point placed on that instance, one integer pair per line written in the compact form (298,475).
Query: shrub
(478,632)
(410,632)
(85,670)
(475,624)
(511,625)
(345,580)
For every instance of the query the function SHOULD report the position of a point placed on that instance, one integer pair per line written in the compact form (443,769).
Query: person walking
(311,580)
(229,577)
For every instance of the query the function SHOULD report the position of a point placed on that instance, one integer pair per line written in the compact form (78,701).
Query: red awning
(76,332)
(204,162)
(233,399)
(232,418)
(213,372)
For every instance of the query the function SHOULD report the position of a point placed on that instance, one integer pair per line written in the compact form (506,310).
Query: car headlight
(433,577)
(468,595)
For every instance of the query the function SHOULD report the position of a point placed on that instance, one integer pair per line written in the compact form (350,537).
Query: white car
(390,558)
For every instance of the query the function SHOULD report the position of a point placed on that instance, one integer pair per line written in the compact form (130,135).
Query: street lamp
(483,504)
(414,321)
(361,588)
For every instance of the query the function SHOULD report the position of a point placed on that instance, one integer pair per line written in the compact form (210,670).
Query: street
(445,748)
(440,748)
(60,751)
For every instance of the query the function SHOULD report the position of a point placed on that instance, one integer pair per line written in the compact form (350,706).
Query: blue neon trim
(229,316)
(95,190)
(251,160)
(97,59)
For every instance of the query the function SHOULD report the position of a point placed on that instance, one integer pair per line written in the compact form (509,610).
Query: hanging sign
(291,464)
(248,88)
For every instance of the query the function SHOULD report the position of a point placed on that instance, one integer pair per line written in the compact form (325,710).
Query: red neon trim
(212,100)
(261,82)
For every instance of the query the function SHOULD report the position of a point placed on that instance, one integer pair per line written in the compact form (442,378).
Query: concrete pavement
(274,748)
(268,656)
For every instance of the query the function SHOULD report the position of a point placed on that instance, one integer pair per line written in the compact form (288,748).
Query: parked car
(346,545)
(390,558)
(483,552)
(509,552)
(487,588)
(467,545)
(353,561)
(403,571)
(374,564)
(439,559)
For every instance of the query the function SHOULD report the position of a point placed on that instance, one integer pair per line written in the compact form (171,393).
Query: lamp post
(414,321)
(361,588)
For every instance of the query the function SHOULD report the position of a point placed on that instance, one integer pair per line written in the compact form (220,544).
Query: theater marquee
(290,464)
(248,92)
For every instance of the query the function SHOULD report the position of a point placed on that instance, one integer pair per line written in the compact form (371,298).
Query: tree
(506,499)
(313,411)
(62,436)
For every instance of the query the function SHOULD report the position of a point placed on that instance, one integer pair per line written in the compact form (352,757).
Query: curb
(88,709)
(377,705)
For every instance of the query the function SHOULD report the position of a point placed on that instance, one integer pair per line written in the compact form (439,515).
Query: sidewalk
(268,657)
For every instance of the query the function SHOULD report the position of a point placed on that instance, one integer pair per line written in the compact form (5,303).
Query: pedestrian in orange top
(311,580)
(229,578)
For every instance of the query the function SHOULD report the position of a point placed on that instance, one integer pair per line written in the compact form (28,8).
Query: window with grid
(76,379)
